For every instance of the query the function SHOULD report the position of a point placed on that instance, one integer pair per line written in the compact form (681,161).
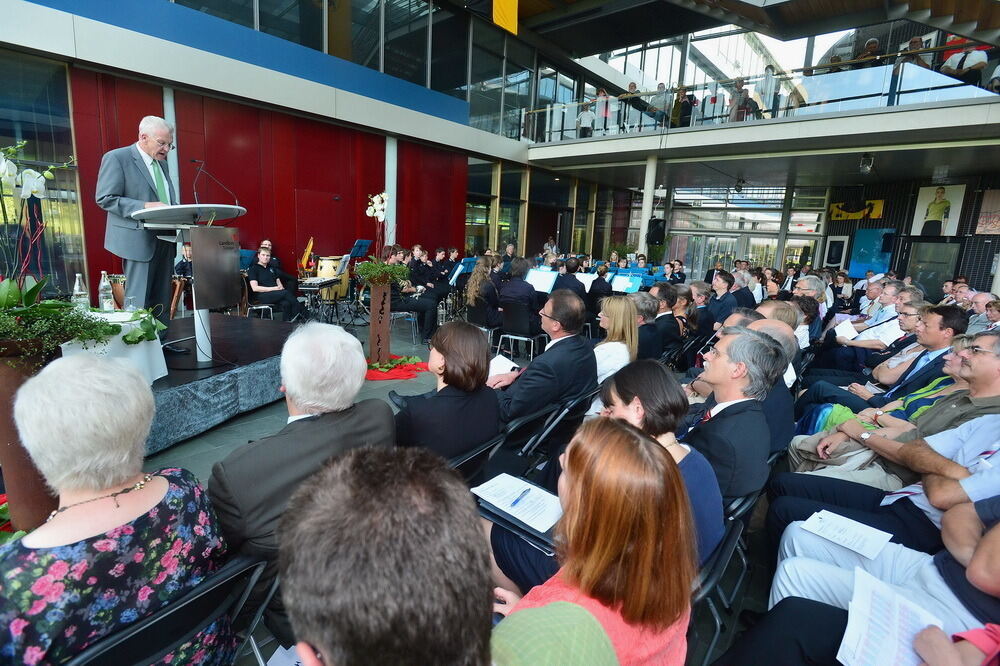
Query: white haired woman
(122,544)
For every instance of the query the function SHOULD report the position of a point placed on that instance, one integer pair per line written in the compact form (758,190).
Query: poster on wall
(867,251)
(938,209)
(989,213)
(870,209)
(836,252)
(930,265)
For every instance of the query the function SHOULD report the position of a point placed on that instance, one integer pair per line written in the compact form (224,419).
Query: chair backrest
(476,313)
(522,429)
(740,506)
(713,570)
(471,463)
(220,595)
(516,319)
(568,418)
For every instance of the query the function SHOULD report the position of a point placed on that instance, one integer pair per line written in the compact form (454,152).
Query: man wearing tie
(790,279)
(133,178)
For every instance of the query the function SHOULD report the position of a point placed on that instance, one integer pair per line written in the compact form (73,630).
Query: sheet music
(587,279)
(541,280)
(501,364)
(845,329)
(533,506)
(862,539)
(881,625)
(627,284)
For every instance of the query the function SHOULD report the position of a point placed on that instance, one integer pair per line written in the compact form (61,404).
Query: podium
(215,253)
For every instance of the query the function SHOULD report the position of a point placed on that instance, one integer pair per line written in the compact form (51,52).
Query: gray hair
(815,284)
(915,293)
(84,421)
(741,278)
(762,356)
(782,333)
(646,304)
(896,285)
(153,123)
(322,368)
(993,334)
(918,305)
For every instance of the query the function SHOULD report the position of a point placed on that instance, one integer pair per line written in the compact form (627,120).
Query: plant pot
(378,331)
(29,498)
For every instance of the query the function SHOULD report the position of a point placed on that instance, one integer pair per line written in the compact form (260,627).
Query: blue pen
(520,497)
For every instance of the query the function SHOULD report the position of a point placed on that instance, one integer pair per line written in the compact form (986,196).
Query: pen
(520,497)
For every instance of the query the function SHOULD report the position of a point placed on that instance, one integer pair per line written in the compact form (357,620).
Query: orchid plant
(21,184)
(376,209)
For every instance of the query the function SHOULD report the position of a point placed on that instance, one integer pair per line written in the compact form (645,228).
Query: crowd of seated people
(899,438)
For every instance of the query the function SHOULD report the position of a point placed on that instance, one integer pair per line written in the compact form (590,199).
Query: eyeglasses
(161,143)
(977,350)
(908,314)
(548,316)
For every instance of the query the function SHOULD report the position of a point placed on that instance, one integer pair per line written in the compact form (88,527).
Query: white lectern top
(186,214)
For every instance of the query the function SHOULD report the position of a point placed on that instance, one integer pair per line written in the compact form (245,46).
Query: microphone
(202,169)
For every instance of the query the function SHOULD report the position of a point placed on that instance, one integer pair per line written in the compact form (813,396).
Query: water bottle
(105,299)
(81,297)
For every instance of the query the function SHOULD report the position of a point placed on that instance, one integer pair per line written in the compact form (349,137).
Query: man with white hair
(978,322)
(131,179)
(322,369)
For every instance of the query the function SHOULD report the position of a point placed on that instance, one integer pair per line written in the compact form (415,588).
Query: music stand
(455,272)
(360,249)
(342,266)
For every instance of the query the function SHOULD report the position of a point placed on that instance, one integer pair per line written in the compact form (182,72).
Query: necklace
(139,485)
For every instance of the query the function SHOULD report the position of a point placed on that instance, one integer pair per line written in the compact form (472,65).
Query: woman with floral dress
(122,544)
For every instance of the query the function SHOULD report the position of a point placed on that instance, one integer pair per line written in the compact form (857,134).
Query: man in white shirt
(993,85)
(966,66)
(585,122)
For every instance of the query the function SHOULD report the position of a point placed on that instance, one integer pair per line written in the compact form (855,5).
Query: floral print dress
(54,602)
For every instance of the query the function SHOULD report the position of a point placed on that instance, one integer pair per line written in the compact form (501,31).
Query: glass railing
(822,89)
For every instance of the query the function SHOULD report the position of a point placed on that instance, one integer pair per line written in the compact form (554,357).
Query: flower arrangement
(376,209)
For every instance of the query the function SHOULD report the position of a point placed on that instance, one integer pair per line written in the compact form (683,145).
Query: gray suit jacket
(123,187)
(252,485)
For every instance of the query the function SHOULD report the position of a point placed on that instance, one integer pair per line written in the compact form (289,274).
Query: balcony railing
(822,89)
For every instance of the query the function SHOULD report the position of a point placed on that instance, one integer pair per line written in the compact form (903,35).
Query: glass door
(799,251)
(700,253)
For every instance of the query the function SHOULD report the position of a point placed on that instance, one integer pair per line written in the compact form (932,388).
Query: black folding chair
(147,641)
(507,456)
(568,411)
(477,315)
(471,463)
(707,588)
(517,326)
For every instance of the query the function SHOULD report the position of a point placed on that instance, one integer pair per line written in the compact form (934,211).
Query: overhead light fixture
(557,180)
(739,184)
(867,164)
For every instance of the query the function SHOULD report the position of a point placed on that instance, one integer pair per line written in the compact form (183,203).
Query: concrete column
(171,117)
(390,189)
(648,195)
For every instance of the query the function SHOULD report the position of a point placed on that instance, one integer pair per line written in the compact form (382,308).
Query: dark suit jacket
(709,276)
(744,298)
(516,290)
(252,485)
(565,371)
(877,357)
(706,322)
(569,281)
(650,342)
(670,331)
(779,410)
(449,422)
(599,288)
(910,381)
(736,443)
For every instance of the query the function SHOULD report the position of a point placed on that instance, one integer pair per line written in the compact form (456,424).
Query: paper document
(881,625)
(862,539)
(501,365)
(541,280)
(845,329)
(626,284)
(537,508)
(587,279)
(284,657)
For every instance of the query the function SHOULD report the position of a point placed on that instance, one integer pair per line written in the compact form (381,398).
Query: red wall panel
(432,186)
(297,177)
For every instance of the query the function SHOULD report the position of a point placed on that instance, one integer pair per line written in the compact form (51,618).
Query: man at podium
(132,178)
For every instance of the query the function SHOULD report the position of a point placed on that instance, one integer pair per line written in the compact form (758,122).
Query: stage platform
(246,375)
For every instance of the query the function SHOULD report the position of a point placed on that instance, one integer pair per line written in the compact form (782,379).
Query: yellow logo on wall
(872,210)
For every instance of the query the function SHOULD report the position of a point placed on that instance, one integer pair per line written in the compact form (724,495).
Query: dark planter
(378,340)
(29,499)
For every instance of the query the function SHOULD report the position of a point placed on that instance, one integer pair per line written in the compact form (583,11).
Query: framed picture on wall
(989,213)
(938,209)
(836,252)
(930,264)
(871,251)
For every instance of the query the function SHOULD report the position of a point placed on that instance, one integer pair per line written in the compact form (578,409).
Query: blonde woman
(481,289)
(618,319)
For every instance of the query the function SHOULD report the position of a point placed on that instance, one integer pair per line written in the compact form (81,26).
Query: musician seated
(183,267)
(290,281)
(266,287)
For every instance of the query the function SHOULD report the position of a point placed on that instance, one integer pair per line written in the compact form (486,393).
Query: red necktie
(706,417)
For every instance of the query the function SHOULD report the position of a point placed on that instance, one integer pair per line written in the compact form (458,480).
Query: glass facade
(34,107)
(299,21)
(354,30)
(486,84)
(480,201)
(407,26)
(449,52)
(237,11)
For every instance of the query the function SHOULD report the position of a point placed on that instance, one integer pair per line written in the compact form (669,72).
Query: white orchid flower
(32,184)
(370,212)
(8,172)
(380,216)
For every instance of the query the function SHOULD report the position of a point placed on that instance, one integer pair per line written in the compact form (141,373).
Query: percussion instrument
(327,268)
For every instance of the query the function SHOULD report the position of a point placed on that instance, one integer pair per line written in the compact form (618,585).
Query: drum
(327,267)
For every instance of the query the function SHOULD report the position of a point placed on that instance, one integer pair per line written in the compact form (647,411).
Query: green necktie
(161,187)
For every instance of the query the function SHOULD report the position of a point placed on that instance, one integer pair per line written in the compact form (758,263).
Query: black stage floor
(236,342)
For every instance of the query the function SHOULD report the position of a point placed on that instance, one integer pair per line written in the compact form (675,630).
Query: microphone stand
(201,170)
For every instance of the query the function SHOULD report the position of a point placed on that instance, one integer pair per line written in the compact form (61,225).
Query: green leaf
(10,294)
(31,294)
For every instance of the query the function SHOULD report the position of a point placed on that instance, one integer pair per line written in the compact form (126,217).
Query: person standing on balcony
(658,105)
(739,103)
(910,55)
(585,122)
(966,66)
(870,56)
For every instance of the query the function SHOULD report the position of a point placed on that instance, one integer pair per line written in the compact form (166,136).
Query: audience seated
(702,319)
(722,302)
(670,332)
(741,292)
(778,403)
(626,551)
(567,280)
(383,562)
(683,309)
(951,471)
(808,309)
(979,320)
(971,389)
(620,345)
(322,369)
(874,334)
(935,330)
(482,289)
(517,290)
(646,395)
(267,288)
(650,341)
(733,435)
(122,544)
(460,357)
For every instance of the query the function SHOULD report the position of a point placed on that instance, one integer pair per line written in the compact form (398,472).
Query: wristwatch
(865,436)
